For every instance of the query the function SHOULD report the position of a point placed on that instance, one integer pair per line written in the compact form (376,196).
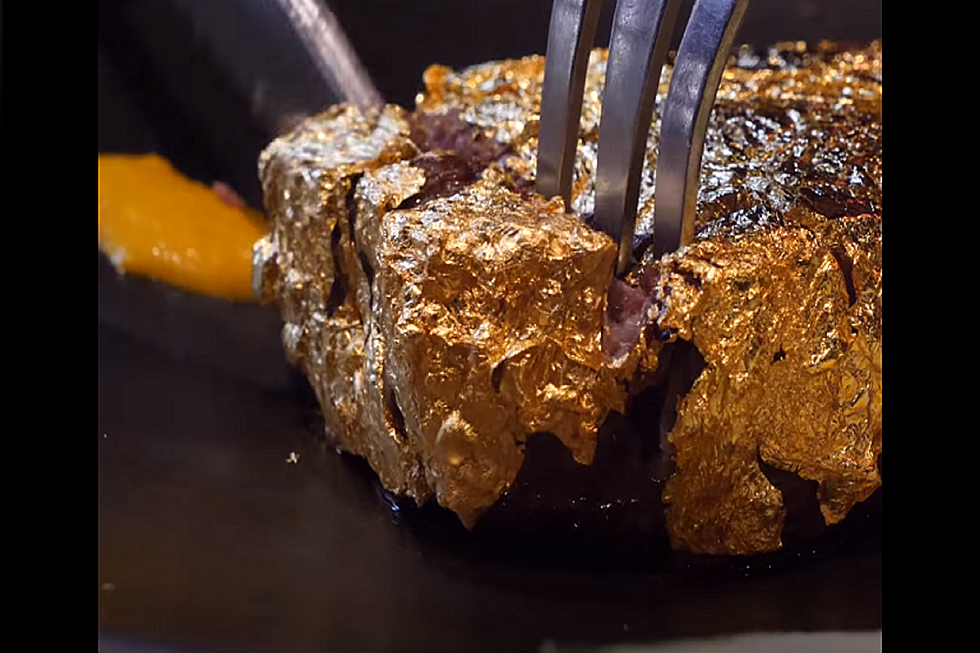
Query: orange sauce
(157,223)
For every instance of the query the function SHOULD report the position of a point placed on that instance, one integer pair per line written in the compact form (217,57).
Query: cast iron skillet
(209,539)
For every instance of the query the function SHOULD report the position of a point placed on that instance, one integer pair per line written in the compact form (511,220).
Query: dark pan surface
(209,538)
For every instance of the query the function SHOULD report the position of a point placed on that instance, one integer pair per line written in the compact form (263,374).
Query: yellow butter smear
(155,222)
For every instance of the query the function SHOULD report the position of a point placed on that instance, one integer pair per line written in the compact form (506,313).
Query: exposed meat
(446,132)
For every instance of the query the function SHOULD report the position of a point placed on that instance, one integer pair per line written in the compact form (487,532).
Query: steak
(448,317)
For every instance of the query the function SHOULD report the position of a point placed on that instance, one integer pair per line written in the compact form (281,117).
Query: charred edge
(340,287)
(846,266)
(803,517)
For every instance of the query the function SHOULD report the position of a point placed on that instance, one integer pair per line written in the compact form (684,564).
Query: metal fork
(638,47)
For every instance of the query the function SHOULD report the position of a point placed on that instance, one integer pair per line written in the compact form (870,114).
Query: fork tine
(638,49)
(570,38)
(637,53)
(701,59)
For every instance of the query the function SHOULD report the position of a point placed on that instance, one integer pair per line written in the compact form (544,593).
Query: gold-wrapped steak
(445,313)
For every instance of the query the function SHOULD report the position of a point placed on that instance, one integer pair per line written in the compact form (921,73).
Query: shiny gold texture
(494,323)
(308,266)
(440,335)
(791,379)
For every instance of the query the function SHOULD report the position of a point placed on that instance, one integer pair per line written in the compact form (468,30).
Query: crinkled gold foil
(471,321)
(310,267)
(494,324)
(789,380)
